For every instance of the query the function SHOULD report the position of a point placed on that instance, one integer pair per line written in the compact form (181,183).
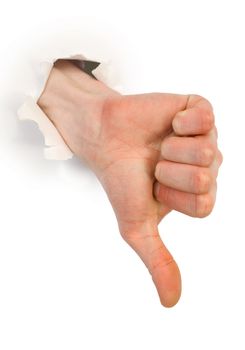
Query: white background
(67,279)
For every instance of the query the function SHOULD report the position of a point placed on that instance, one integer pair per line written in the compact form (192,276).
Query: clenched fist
(152,153)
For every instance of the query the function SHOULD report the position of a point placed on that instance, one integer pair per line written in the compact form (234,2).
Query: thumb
(160,263)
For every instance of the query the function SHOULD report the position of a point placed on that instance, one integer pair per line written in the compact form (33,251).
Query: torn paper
(56,148)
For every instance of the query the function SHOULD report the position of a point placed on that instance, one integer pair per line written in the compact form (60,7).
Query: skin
(152,153)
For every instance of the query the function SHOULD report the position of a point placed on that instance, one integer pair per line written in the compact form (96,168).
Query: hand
(151,152)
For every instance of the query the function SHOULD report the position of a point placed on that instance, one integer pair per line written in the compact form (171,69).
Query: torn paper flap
(52,138)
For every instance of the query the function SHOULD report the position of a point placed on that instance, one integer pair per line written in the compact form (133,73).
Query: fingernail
(176,124)
(177,120)
(182,113)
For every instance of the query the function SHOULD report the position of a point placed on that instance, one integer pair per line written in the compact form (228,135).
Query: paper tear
(56,148)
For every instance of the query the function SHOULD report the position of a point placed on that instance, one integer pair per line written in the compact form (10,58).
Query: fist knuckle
(220,157)
(207,119)
(206,154)
(204,205)
(201,181)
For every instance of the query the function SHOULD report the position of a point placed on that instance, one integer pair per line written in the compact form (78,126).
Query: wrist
(74,102)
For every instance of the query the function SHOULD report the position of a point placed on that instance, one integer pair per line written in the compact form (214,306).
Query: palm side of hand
(132,130)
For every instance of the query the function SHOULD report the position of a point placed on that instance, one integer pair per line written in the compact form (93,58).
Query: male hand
(152,153)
